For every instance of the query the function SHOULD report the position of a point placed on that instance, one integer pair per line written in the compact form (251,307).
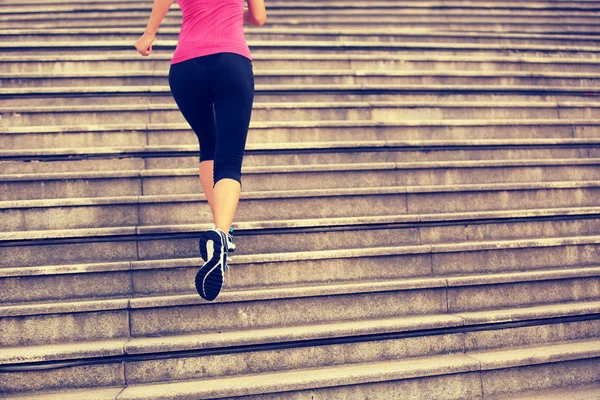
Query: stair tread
(312,44)
(303,30)
(135,6)
(313,105)
(148,151)
(275,194)
(160,89)
(508,58)
(329,123)
(325,72)
(273,169)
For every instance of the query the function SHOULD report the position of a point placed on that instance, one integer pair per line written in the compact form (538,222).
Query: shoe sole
(209,279)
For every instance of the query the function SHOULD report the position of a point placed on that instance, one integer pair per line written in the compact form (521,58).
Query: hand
(144,44)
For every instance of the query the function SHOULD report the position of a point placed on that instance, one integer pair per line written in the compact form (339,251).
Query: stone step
(312,77)
(316,354)
(121,47)
(117,244)
(44,266)
(150,158)
(448,25)
(581,392)
(563,322)
(409,6)
(21,117)
(73,320)
(58,142)
(495,365)
(299,14)
(467,12)
(333,3)
(52,214)
(304,34)
(73,63)
(273,93)
(295,177)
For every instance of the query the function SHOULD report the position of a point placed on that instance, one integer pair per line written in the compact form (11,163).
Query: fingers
(145,52)
(144,46)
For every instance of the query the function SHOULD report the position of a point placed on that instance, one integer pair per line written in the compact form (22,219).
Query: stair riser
(98,216)
(522,294)
(468,17)
(407,9)
(71,287)
(333,156)
(70,189)
(22,119)
(33,7)
(93,376)
(136,64)
(349,79)
(122,49)
(33,98)
(159,280)
(301,36)
(398,133)
(539,377)
(473,25)
(80,253)
(52,189)
(60,328)
(140,138)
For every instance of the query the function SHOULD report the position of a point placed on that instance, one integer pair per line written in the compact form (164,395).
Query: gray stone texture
(408,167)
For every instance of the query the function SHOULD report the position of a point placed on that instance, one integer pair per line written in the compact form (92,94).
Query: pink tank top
(210,27)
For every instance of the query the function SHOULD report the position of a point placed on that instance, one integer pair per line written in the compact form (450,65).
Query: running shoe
(210,277)
(230,243)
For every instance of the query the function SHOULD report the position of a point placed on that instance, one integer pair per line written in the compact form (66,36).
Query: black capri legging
(215,95)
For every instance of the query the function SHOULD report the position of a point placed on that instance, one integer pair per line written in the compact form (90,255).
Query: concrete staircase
(420,216)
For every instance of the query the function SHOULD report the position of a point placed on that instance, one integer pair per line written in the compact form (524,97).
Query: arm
(255,14)
(159,10)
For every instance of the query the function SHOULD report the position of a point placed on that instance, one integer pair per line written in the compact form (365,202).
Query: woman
(212,81)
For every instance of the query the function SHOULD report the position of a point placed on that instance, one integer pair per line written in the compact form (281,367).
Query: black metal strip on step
(51,365)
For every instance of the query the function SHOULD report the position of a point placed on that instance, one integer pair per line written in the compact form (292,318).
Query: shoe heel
(210,278)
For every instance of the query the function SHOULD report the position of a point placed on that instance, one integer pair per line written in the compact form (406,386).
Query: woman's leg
(190,87)
(233,87)
(226,196)
(207,168)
